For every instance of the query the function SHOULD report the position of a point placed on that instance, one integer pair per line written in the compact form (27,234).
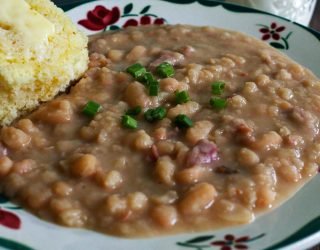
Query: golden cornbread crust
(30,77)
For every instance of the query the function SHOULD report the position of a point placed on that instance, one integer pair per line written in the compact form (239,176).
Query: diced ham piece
(204,152)
(154,153)
(174,58)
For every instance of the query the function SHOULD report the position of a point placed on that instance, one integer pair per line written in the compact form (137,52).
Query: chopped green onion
(136,70)
(134,111)
(154,88)
(217,88)
(155,114)
(91,108)
(165,69)
(218,103)
(129,122)
(147,78)
(182,97)
(183,121)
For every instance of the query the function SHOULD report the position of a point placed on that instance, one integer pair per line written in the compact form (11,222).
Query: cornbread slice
(31,70)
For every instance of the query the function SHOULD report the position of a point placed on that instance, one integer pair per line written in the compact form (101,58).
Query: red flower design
(230,242)
(144,20)
(100,17)
(9,219)
(272,31)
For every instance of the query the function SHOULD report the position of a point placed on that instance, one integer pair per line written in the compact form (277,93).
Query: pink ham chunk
(204,152)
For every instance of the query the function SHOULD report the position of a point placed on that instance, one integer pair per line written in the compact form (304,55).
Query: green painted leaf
(289,34)
(128,8)
(256,237)
(3,199)
(180,1)
(13,245)
(153,15)
(114,27)
(13,207)
(262,25)
(307,230)
(145,9)
(200,239)
(277,45)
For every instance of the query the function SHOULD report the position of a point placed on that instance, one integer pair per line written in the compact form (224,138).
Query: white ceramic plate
(294,225)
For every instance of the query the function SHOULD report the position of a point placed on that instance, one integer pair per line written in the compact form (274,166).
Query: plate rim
(208,3)
(214,3)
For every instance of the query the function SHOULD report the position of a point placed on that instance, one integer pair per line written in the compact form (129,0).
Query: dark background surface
(315,24)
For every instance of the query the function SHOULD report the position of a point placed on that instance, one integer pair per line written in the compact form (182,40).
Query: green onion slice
(182,97)
(91,108)
(134,111)
(147,78)
(155,114)
(217,88)
(136,70)
(154,88)
(218,103)
(183,121)
(129,122)
(165,69)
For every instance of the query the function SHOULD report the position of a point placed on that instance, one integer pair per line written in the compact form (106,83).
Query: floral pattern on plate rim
(229,242)
(102,18)
(10,221)
(273,32)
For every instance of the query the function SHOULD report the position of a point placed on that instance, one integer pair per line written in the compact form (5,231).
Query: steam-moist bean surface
(232,163)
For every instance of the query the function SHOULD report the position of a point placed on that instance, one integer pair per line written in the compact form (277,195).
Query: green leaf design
(145,9)
(152,15)
(128,8)
(285,42)
(13,245)
(287,36)
(190,245)
(180,1)
(200,239)
(13,207)
(277,45)
(3,199)
(256,237)
(114,27)
(310,228)
(262,25)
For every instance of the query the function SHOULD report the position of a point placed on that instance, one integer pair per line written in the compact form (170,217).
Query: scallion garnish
(155,114)
(154,88)
(165,69)
(147,78)
(91,108)
(217,88)
(218,103)
(183,121)
(129,122)
(134,111)
(182,97)
(136,70)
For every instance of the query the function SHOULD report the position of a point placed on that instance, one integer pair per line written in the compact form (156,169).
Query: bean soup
(171,129)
